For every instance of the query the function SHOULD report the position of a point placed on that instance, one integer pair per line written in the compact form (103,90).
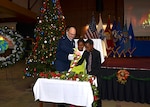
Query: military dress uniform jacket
(64,48)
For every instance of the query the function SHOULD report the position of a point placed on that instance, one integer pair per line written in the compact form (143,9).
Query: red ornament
(37,38)
(34,69)
(95,98)
(53,74)
(41,74)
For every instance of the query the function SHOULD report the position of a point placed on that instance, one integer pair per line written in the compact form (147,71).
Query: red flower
(41,74)
(58,74)
(122,76)
(90,80)
(53,74)
(95,98)
(46,75)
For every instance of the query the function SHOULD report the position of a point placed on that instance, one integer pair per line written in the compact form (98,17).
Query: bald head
(71,32)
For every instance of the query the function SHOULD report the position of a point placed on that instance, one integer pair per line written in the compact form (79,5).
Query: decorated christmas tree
(49,28)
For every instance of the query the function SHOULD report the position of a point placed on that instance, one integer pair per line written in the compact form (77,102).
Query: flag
(101,35)
(108,29)
(114,30)
(100,24)
(132,41)
(118,28)
(127,44)
(109,38)
(114,25)
(92,33)
(120,39)
(119,31)
(131,35)
(115,39)
(108,33)
(100,29)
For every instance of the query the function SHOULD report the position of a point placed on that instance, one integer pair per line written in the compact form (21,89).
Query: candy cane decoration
(74,63)
(76,58)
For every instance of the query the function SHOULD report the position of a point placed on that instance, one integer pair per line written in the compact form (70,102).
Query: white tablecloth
(63,91)
(98,46)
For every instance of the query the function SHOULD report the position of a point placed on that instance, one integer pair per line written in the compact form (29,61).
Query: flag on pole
(120,42)
(108,30)
(119,35)
(101,35)
(132,41)
(114,25)
(119,29)
(92,33)
(114,30)
(100,24)
(100,29)
(127,44)
(131,34)
(108,24)
(109,38)
(115,38)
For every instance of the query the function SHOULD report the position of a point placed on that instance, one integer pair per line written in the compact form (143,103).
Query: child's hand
(77,53)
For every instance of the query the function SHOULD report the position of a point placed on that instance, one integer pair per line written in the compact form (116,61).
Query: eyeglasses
(72,34)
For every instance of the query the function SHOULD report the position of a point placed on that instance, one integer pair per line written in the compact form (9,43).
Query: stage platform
(134,63)
(136,89)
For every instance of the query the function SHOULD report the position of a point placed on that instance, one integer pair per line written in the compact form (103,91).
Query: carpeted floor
(17,92)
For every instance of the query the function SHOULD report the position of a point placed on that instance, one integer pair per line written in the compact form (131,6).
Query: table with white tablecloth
(63,91)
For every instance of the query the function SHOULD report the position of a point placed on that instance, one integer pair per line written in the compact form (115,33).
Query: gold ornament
(35,57)
(43,46)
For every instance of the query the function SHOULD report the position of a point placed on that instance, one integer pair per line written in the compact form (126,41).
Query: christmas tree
(49,28)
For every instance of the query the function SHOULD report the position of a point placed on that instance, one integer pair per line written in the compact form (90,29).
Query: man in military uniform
(64,48)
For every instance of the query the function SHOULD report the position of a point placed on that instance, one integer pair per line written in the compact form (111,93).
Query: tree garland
(15,43)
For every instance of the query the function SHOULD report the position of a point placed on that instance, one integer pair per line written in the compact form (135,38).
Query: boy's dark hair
(81,40)
(89,41)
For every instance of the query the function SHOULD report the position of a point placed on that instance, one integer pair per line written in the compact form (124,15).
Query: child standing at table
(81,68)
(93,64)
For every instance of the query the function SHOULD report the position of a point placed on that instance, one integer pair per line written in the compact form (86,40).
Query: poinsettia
(122,76)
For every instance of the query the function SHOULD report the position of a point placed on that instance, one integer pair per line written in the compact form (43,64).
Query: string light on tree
(50,27)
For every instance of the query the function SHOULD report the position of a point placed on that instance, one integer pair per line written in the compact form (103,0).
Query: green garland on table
(122,76)
(139,79)
(74,77)
(109,77)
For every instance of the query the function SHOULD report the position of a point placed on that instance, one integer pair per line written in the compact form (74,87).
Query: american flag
(92,33)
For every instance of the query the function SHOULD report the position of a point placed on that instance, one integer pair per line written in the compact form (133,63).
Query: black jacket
(96,61)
